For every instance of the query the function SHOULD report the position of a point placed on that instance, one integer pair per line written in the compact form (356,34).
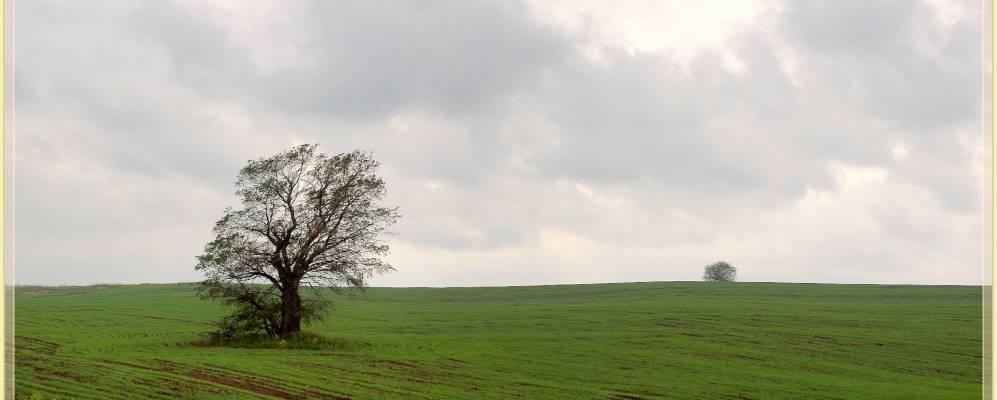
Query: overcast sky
(525,143)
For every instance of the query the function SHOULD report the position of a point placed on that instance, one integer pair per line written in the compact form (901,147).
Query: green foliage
(674,340)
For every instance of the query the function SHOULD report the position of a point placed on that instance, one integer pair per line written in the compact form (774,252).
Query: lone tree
(307,219)
(720,271)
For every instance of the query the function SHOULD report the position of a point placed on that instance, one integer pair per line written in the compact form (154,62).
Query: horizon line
(982,285)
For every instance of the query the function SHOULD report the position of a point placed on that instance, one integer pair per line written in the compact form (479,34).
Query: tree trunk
(290,310)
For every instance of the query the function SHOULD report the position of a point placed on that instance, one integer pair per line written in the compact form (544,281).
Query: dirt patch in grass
(74,376)
(180,389)
(45,373)
(395,363)
(626,396)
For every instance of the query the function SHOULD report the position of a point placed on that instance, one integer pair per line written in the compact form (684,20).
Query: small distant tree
(307,220)
(720,271)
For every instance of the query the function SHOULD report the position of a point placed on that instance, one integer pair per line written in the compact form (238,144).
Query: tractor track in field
(232,378)
(35,344)
(265,390)
(267,386)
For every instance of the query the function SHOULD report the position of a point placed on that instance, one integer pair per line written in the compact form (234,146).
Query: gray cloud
(361,59)
(829,153)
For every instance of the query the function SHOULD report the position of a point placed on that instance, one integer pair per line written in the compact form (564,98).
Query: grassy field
(609,341)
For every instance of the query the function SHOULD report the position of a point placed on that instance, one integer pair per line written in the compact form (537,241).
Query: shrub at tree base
(258,314)
(297,340)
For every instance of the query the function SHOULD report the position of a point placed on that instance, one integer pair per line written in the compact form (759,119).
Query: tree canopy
(307,220)
(720,271)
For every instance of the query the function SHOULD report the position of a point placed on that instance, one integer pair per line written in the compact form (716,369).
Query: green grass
(638,340)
